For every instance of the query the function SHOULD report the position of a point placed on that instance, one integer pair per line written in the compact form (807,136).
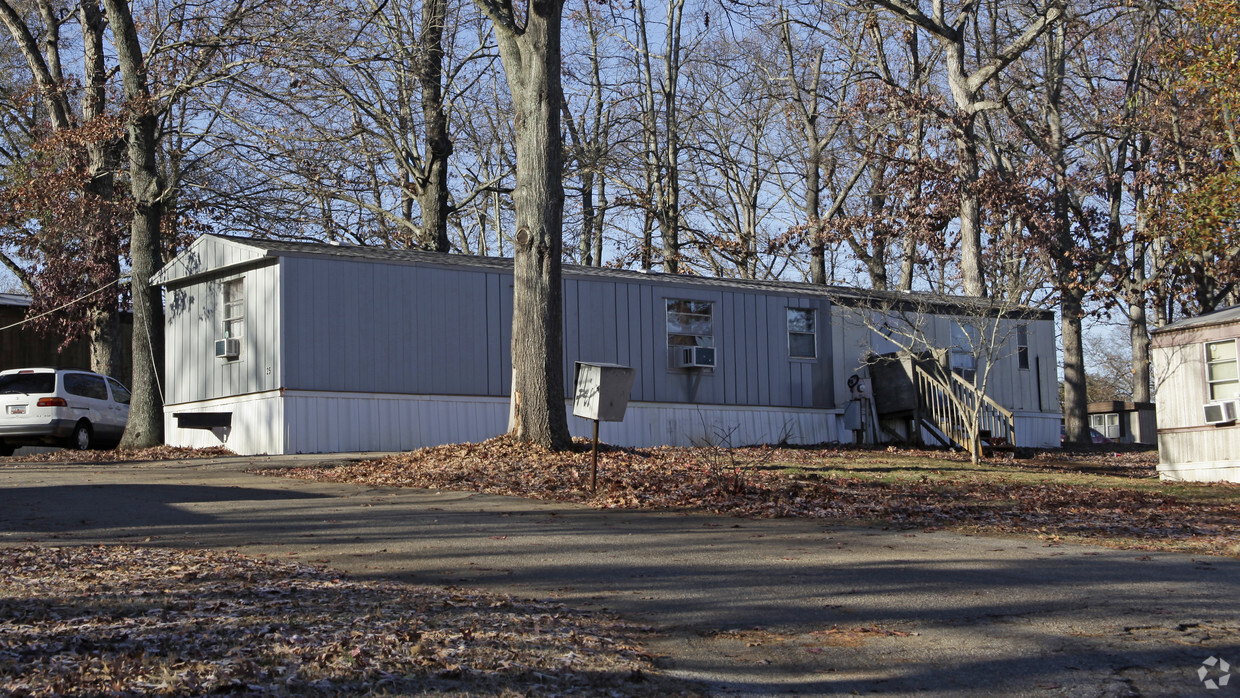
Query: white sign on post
(602,391)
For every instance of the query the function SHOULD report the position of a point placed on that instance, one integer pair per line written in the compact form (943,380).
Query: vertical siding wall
(1180,385)
(359,326)
(1200,451)
(195,319)
(625,322)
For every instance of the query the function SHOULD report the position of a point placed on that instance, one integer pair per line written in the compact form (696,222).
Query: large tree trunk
(972,275)
(146,419)
(1139,332)
(102,157)
(532,65)
(1075,416)
(434,191)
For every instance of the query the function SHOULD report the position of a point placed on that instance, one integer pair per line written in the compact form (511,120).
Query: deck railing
(962,412)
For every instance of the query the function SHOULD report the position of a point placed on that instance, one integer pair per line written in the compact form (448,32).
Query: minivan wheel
(81,438)
(6,450)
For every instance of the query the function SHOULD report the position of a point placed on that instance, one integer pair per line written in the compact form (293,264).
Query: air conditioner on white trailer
(229,348)
(695,357)
(1222,412)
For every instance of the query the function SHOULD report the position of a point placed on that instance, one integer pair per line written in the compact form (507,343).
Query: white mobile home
(1198,397)
(282,347)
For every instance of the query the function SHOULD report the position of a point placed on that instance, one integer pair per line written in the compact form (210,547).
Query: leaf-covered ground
(117,455)
(121,621)
(1104,496)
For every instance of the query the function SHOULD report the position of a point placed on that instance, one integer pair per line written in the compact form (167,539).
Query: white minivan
(57,406)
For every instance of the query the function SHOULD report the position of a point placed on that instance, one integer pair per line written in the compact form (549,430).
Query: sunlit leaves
(908,488)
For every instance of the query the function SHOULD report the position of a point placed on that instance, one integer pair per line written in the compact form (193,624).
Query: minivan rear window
(29,383)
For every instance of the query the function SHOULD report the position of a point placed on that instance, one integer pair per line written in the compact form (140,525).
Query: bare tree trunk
(103,157)
(813,189)
(1138,318)
(1076,425)
(597,222)
(1139,332)
(434,195)
(531,56)
(146,419)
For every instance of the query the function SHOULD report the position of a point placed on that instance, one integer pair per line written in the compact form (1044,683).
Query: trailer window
(1221,374)
(1022,347)
(802,337)
(234,308)
(964,350)
(689,324)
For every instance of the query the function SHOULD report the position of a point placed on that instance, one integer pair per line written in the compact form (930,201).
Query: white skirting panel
(1203,455)
(321,422)
(669,424)
(1037,429)
(1217,471)
(256,424)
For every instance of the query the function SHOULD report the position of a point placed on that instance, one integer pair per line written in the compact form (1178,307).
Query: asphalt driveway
(754,607)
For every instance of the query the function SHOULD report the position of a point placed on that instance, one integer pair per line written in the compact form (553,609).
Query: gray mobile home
(283,347)
(1198,397)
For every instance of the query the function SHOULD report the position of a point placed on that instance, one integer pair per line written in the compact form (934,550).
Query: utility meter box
(602,391)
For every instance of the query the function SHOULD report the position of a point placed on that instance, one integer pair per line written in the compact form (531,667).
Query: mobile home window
(1221,373)
(1022,347)
(234,308)
(1107,424)
(802,338)
(964,348)
(689,324)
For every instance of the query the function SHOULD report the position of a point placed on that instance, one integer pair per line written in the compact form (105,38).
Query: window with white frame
(1222,376)
(1107,424)
(802,337)
(964,351)
(234,308)
(689,324)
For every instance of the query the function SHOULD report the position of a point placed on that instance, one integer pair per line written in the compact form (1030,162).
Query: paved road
(754,607)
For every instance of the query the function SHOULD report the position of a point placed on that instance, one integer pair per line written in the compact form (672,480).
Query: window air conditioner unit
(1221,412)
(227,348)
(696,357)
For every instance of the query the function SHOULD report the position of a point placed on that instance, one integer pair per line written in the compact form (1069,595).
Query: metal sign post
(594,460)
(601,394)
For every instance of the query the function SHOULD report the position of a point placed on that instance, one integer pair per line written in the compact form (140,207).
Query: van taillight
(52,402)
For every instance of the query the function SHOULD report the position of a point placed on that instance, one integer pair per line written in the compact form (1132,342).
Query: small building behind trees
(1197,384)
(288,347)
(23,346)
(1124,421)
